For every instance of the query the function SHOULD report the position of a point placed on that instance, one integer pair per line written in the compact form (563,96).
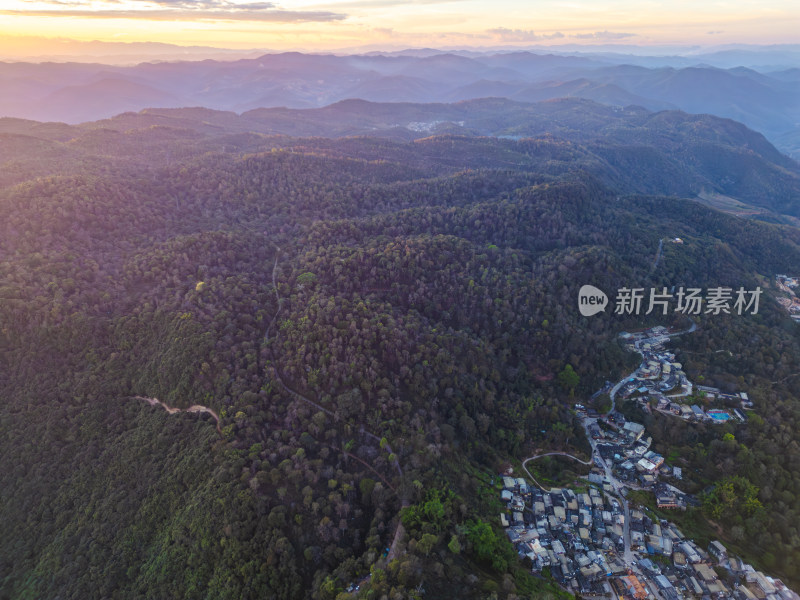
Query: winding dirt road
(525,462)
(195,408)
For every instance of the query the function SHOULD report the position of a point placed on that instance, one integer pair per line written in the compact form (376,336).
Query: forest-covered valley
(380,324)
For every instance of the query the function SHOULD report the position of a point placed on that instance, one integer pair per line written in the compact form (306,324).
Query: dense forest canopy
(379,324)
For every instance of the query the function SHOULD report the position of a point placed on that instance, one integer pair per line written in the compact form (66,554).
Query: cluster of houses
(638,467)
(592,544)
(660,381)
(624,447)
(699,414)
(790,283)
(658,373)
(791,303)
(692,572)
(741,399)
(736,404)
(578,537)
(575,535)
(792,306)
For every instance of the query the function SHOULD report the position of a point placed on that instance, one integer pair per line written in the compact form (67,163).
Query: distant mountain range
(767,101)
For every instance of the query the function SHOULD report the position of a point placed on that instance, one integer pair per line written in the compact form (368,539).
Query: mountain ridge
(764,101)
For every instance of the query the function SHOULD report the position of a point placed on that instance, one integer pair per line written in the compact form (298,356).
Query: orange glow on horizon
(43,27)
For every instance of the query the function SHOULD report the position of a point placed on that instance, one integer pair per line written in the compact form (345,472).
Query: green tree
(569,379)
(427,542)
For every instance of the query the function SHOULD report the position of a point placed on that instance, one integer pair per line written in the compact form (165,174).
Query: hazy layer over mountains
(766,98)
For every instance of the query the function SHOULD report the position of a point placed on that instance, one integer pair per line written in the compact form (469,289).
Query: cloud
(359,4)
(182,10)
(522,35)
(277,16)
(64,2)
(603,35)
(151,4)
(714,32)
(208,4)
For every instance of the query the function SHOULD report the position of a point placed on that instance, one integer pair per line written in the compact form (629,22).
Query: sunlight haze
(390,24)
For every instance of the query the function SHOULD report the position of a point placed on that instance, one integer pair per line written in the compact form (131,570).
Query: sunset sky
(332,24)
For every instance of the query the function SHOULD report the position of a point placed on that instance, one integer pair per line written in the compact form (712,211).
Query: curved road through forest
(195,408)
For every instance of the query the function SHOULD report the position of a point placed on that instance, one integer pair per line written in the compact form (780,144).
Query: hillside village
(592,542)
(789,285)
(660,383)
(580,538)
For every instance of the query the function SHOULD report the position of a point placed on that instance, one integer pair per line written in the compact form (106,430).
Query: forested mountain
(633,150)
(379,323)
(765,99)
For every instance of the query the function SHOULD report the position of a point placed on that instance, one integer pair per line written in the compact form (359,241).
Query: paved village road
(613,393)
